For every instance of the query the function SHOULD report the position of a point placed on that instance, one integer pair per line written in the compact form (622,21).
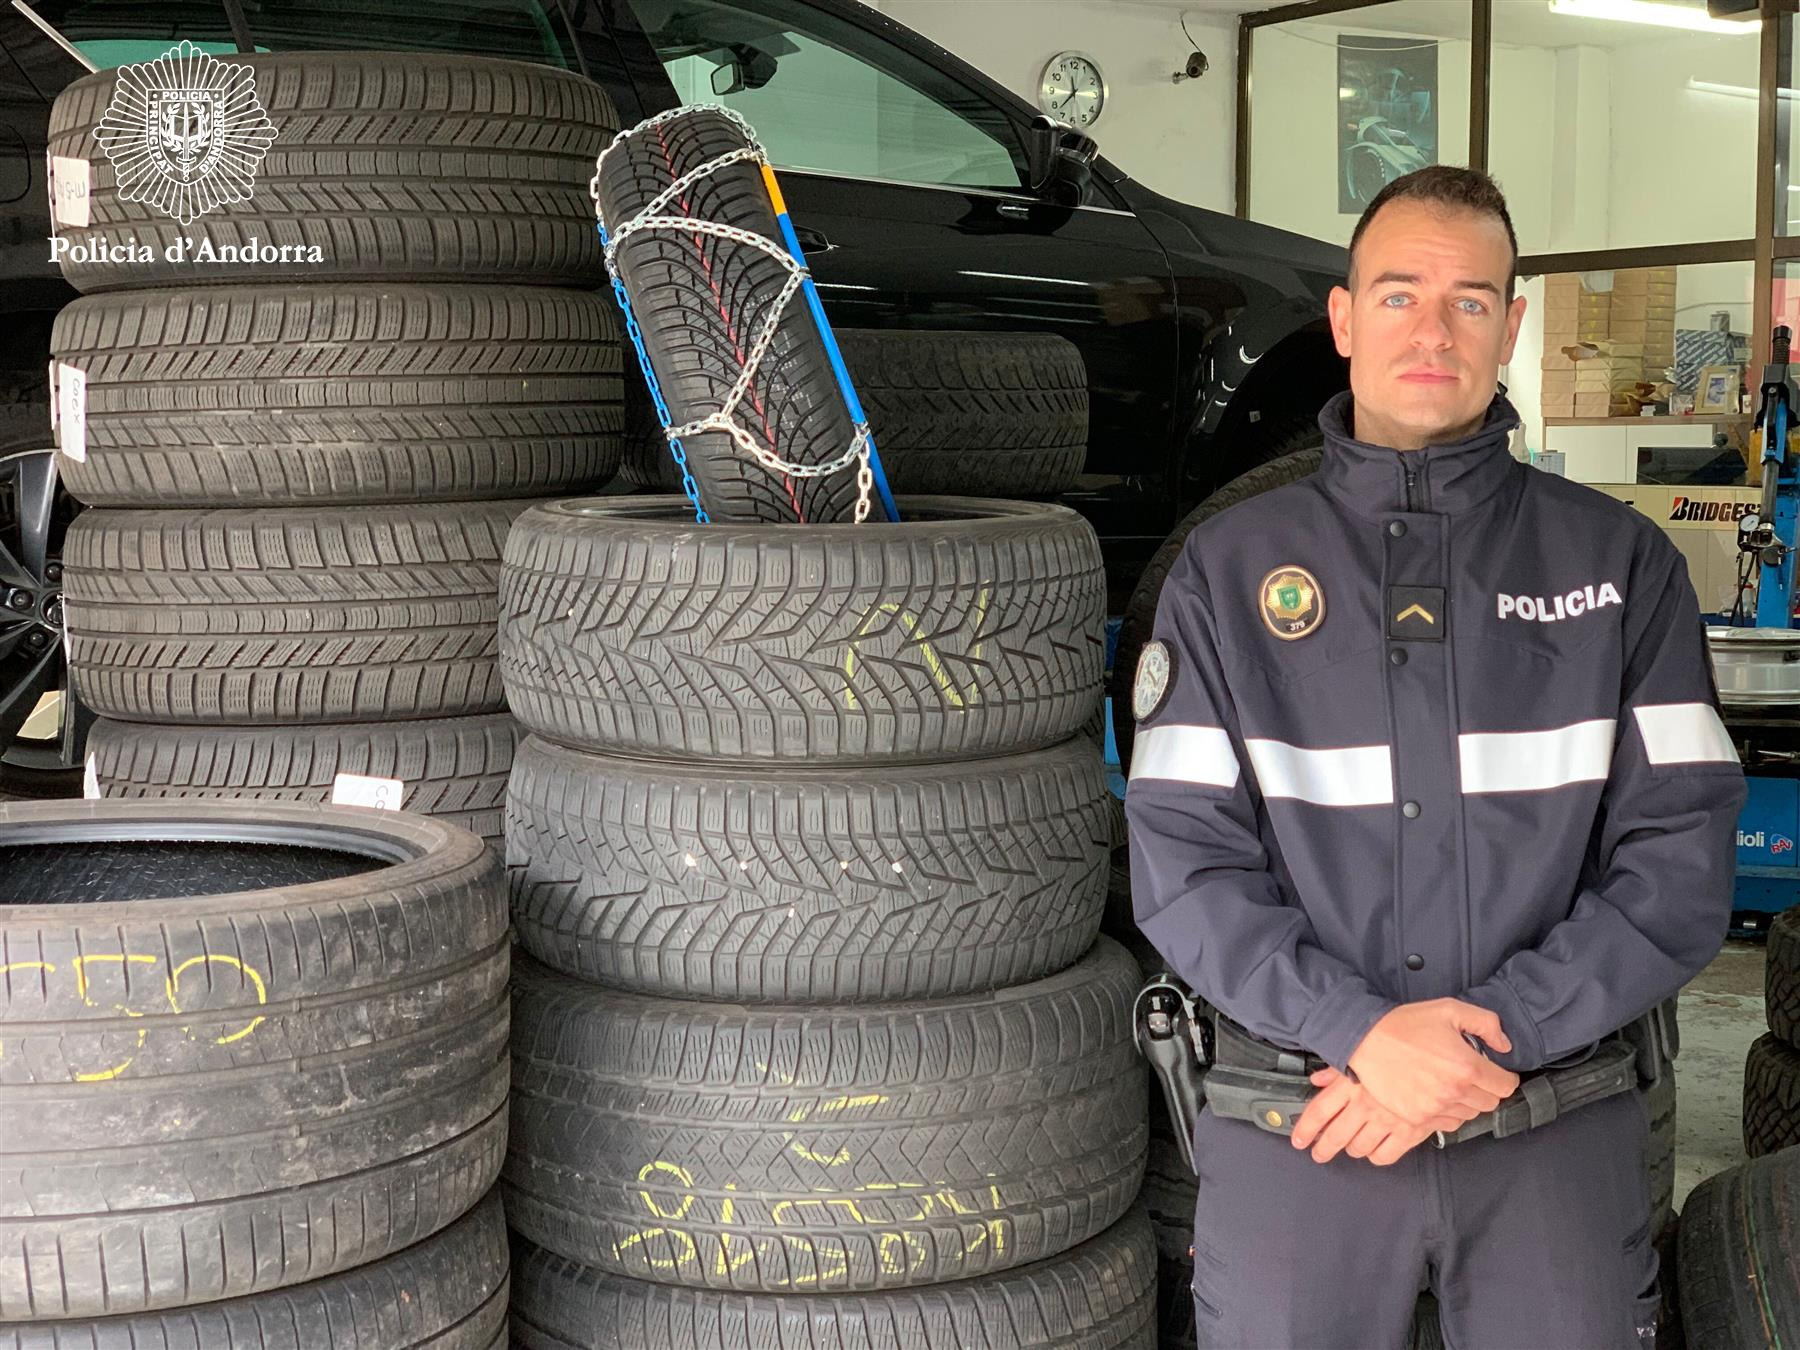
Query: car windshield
(829,95)
(121,32)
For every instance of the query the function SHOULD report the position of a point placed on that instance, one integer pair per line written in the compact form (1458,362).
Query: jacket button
(1410,810)
(1397,656)
(1396,528)
(1415,962)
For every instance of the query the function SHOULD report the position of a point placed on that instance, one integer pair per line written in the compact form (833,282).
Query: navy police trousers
(1535,1242)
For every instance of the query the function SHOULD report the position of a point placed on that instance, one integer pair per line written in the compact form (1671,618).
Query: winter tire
(702,303)
(1771,1096)
(1097,1296)
(334,394)
(244,1046)
(448,1292)
(248,617)
(824,1150)
(974,628)
(807,885)
(1736,1250)
(979,414)
(1781,977)
(392,165)
(452,768)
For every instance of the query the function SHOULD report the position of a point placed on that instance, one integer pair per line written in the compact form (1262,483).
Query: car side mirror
(742,67)
(1060,160)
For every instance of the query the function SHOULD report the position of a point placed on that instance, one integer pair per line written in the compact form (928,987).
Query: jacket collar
(1371,479)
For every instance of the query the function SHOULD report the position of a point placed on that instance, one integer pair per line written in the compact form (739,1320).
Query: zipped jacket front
(1432,723)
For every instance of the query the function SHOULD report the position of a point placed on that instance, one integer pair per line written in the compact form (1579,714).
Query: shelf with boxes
(1609,342)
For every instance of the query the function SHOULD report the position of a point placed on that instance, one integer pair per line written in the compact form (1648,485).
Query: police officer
(1429,783)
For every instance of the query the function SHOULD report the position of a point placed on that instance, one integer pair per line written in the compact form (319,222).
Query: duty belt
(1202,1058)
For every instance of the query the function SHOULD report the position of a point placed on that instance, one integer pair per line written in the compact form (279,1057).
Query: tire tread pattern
(448,1292)
(211,1096)
(454,769)
(253,617)
(824,1150)
(334,394)
(1098,1296)
(401,166)
(980,414)
(702,302)
(976,629)
(804,886)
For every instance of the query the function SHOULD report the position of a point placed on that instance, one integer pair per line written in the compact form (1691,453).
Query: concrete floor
(1721,1013)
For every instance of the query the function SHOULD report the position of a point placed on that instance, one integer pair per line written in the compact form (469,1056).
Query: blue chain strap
(688,485)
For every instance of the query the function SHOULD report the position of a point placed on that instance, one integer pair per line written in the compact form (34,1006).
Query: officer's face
(1425,323)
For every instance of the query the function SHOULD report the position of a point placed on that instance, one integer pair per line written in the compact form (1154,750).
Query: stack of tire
(253,1077)
(1772,1069)
(306,461)
(814,1044)
(1736,1246)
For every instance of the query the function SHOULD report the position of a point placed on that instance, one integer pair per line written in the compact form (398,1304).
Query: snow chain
(797,274)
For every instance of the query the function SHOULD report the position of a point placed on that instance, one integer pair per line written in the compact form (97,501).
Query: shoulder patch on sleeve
(1155,681)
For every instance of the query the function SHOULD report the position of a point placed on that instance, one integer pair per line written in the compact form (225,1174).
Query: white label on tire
(355,789)
(71,186)
(71,411)
(90,781)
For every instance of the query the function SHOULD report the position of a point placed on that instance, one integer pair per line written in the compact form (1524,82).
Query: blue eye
(1473,307)
(1395,301)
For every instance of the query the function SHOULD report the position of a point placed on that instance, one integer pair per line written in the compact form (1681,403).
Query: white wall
(1294,115)
(1683,160)
(1176,138)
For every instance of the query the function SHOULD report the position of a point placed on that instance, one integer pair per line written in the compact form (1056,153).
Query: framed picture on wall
(1717,391)
(1387,113)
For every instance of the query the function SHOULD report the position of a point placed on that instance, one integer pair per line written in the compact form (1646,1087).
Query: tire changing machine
(1756,661)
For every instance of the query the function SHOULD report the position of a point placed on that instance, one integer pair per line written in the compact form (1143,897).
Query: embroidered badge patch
(1292,602)
(1155,678)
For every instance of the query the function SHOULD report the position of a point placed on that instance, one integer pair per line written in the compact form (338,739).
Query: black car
(927,196)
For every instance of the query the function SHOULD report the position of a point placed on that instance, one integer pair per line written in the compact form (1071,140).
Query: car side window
(122,32)
(824,94)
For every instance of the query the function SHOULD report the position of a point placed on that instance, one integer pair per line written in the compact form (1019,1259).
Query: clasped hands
(1415,1075)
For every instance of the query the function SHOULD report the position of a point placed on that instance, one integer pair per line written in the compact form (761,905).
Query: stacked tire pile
(1738,1236)
(253,1078)
(1772,1069)
(813,1041)
(306,461)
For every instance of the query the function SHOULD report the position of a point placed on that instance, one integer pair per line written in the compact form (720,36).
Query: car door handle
(811,240)
(1016,210)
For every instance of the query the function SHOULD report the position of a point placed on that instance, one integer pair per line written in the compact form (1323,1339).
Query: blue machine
(1768,736)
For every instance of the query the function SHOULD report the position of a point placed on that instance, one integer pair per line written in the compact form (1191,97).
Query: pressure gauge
(1072,89)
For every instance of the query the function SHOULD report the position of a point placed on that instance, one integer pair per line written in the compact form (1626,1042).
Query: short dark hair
(1452,188)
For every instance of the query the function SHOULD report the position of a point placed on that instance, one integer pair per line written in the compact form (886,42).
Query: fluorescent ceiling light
(1742,91)
(1645,11)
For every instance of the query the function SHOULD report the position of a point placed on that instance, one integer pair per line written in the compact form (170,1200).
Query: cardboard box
(1635,280)
(1702,523)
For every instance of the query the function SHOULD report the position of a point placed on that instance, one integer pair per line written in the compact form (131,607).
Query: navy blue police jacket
(1432,724)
